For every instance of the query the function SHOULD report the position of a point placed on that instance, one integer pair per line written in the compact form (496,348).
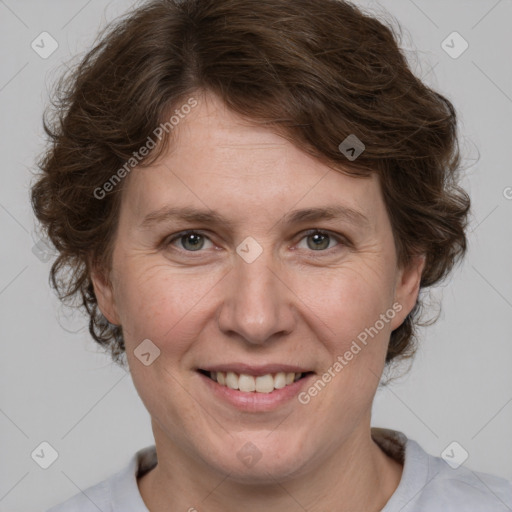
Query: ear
(407,288)
(104,294)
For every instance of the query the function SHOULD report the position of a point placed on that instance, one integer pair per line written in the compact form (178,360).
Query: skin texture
(294,304)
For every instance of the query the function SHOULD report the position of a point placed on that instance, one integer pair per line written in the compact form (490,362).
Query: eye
(191,241)
(318,240)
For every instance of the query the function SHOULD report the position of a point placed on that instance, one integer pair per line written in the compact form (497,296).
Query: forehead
(219,161)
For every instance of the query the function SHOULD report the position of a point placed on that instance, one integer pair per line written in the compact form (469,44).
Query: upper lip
(256,370)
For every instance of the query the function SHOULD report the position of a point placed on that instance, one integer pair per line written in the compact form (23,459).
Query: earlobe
(104,295)
(407,288)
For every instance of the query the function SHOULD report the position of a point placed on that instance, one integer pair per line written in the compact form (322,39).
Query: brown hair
(316,71)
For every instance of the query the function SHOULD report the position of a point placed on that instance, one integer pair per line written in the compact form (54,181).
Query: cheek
(162,304)
(348,301)
(353,309)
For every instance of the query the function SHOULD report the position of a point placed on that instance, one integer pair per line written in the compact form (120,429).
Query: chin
(258,460)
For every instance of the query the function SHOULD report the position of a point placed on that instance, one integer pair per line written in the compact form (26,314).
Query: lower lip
(253,401)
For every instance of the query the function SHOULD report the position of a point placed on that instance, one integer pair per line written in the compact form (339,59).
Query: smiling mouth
(254,384)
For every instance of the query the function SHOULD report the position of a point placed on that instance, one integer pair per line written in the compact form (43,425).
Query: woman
(315,179)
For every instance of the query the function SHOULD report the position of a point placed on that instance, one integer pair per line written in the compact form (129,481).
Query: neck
(357,475)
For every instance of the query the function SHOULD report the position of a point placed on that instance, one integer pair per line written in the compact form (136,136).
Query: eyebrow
(210,217)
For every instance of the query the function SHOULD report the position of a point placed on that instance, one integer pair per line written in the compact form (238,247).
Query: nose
(258,304)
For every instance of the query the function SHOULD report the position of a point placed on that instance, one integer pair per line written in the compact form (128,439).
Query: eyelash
(343,241)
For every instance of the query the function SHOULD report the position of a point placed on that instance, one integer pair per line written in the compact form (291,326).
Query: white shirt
(428,484)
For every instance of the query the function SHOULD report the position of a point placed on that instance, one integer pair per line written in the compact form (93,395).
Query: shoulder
(94,498)
(430,483)
(452,488)
(118,493)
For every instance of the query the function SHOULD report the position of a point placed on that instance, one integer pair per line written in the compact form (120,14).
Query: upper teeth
(261,384)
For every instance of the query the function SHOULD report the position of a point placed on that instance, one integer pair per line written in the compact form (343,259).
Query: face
(263,283)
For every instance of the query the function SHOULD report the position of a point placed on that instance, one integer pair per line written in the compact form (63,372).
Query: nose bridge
(257,305)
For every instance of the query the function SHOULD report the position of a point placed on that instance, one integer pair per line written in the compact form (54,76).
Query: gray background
(56,386)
